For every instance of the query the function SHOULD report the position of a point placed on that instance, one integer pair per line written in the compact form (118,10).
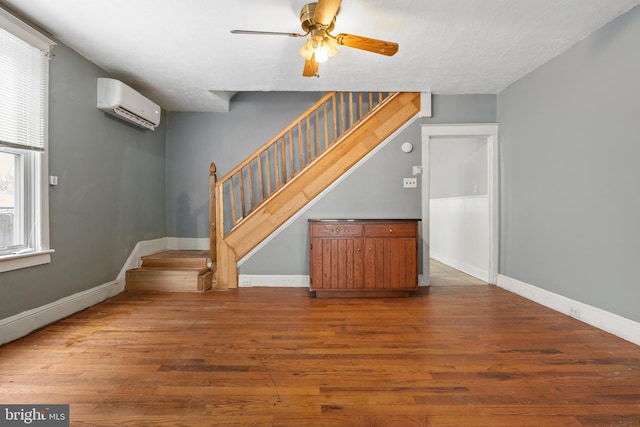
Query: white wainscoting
(459,234)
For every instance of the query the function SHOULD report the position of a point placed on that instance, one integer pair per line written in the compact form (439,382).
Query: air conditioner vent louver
(133,118)
(118,99)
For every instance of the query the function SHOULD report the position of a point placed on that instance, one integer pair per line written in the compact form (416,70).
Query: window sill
(31,259)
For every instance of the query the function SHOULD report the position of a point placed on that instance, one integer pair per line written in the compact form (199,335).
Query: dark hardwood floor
(448,356)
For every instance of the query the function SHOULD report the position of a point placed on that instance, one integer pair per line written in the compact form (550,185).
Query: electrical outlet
(417,170)
(244,282)
(574,312)
(410,182)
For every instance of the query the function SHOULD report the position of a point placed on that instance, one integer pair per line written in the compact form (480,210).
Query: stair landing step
(177,259)
(173,271)
(182,280)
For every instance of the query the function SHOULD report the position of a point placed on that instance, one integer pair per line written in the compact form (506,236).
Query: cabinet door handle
(369,249)
(391,230)
(337,230)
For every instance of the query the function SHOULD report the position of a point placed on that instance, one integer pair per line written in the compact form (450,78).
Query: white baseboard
(617,325)
(423,280)
(286,281)
(22,324)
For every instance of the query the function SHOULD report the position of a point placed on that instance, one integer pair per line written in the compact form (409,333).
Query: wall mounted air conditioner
(118,99)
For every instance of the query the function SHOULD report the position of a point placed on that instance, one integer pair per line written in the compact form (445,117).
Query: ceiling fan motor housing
(307,21)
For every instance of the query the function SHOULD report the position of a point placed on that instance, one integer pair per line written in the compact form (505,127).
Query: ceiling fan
(318,20)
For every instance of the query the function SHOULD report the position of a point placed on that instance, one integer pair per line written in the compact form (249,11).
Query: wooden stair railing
(280,159)
(283,175)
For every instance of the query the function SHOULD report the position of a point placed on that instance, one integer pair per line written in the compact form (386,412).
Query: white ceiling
(181,54)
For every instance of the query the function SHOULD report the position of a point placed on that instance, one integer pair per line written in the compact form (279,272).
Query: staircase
(173,271)
(270,186)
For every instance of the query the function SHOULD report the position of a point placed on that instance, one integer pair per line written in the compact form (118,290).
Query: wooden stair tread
(170,271)
(183,253)
(177,259)
(169,268)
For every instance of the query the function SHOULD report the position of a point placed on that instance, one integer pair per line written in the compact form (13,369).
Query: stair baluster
(254,180)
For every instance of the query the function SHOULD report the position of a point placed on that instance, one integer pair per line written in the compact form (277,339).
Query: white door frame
(490,132)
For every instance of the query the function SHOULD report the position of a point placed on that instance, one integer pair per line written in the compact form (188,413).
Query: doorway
(464,204)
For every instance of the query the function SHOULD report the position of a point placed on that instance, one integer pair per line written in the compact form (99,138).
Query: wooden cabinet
(363,258)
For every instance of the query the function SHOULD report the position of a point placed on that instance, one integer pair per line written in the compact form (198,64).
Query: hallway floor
(443,275)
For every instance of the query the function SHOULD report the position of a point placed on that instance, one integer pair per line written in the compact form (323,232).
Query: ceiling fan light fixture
(312,46)
(320,45)
(306,51)
(326,50)
(330,45)
(321,54)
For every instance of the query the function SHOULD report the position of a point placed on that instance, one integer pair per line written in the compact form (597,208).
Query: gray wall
(570,146)
(449,109)
(111,191)
(194,140)
(372,191)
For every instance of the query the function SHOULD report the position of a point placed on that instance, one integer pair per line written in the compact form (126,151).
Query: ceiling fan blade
(266,33)
(310,67)
(370,45)
(325,11)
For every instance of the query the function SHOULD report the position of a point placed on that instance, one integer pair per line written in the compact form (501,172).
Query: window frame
(36,250)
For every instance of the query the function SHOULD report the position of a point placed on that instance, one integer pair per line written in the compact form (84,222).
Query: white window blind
(24,98)
(24,55)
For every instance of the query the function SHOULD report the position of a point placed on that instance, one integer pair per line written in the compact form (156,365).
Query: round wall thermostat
(407,147)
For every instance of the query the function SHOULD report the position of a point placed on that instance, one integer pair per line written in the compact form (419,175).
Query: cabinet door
(390,263)
(336,263)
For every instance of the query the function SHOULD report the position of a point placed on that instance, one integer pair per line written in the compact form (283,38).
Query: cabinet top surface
(366,220)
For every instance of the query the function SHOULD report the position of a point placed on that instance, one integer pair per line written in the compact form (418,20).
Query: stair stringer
(308,184)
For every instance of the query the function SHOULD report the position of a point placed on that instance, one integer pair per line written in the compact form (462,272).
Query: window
(24,85)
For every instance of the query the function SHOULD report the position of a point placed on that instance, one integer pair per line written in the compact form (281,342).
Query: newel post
(212,211)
